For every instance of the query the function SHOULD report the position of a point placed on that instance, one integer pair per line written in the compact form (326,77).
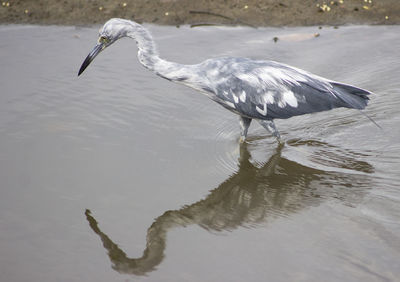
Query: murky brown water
(119,175)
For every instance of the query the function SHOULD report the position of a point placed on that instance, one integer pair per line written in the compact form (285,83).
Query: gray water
(119,175)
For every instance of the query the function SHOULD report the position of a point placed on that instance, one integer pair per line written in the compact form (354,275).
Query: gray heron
(253,89)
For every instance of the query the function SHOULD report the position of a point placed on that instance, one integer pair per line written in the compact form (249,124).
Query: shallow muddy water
(119,175)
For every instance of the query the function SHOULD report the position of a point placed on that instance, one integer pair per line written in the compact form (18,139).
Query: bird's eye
(103,39)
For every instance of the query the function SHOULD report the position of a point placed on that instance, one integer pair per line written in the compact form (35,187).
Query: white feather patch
(269,97)
(250,78)
(243,97)
(229,104)
(262,111)
(289,98)
(213,72)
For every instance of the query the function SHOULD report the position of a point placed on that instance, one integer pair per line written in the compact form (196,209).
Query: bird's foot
(278,137)
(242,139)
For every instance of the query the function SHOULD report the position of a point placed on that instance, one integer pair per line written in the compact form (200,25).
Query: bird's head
(111,31)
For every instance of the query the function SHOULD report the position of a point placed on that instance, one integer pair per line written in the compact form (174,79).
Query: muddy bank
(177,12)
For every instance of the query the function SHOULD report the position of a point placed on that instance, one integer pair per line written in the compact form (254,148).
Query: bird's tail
(353,97)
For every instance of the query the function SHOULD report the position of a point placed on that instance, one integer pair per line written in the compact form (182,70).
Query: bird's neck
(149,57)
(148,54)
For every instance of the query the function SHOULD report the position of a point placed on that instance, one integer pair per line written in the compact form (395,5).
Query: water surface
(119,175)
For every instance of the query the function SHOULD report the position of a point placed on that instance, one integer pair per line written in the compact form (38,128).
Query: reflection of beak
(96,50)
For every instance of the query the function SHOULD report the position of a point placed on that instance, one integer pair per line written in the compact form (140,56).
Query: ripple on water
(329,157)
(225,148)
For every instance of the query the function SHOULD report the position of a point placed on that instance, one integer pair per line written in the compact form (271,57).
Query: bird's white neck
(148,54)
(149,57)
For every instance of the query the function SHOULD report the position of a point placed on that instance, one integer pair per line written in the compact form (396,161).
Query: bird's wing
(268,90)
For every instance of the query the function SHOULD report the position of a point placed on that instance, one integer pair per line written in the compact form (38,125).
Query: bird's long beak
(96,50)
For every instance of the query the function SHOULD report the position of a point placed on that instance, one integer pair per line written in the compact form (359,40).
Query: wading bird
(253,89)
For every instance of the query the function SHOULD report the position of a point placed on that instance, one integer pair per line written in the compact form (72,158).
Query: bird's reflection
(251,196)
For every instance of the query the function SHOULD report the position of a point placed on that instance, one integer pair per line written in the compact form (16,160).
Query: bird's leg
(244,126)
(270,126)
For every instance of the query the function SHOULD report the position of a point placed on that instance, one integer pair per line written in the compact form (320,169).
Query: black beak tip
(84,65)
(80,71)
(90,58)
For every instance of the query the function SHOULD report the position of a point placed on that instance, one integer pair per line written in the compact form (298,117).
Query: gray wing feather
(268,90)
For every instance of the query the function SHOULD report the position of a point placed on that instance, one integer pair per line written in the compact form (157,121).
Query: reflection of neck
(152,255)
